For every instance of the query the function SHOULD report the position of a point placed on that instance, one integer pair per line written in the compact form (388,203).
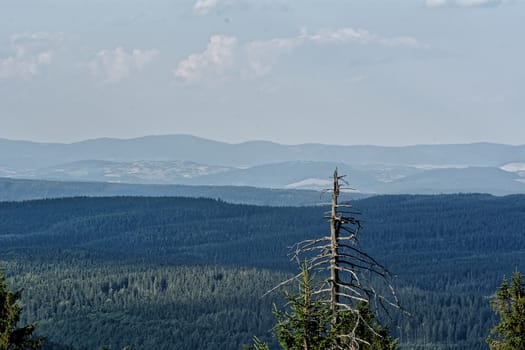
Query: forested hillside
(171,273)
(18,190)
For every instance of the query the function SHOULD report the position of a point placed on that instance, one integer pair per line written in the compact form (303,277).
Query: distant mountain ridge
(12,190)
(199,150)
(190,160)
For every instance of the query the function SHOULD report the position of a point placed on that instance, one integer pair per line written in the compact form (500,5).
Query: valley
(135,271)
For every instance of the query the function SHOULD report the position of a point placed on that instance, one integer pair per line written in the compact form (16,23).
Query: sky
(391,72)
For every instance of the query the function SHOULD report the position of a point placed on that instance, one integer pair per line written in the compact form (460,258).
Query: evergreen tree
(309,324)
(509,303)
(371,334)
(306,325)
(11,337)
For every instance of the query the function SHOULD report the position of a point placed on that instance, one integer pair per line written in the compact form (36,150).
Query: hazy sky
(347,72)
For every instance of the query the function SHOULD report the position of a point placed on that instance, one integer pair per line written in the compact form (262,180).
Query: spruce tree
(308,323)
(509,304)
(11,336)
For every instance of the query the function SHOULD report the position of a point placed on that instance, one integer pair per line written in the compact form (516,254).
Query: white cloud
(216,59)
(402,41)
(117,64)
(469,3)
(203,7)
(256,58)
(464,3)
(436,3)
(23,66)
(42,37)
(31,52)
(342,35)
(260,56)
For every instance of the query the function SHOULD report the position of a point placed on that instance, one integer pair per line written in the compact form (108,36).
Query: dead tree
(352,277)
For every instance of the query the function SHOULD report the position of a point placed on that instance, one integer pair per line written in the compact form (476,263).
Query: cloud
(117,64)
(36,38)
(342,35)
(261,56)
(436,3)
(216,59)
(203,7)
(403,41)
(31,52)
(23,66)
(470,3)
(256,58)
(465,3)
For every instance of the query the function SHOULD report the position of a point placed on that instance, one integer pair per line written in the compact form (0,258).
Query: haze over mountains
(189,160)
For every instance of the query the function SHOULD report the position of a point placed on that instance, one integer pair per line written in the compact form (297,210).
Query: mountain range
(189,160)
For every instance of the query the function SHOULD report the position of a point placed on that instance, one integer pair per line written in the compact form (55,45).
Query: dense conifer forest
(182,273)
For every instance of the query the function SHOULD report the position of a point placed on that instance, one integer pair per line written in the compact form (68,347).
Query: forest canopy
(97,270)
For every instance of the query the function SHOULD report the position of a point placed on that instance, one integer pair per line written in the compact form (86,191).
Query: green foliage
(309,323)
(13,337)
(258,344)
(374,335)
(72,257)
(509,304)
(306,324)
(87,305)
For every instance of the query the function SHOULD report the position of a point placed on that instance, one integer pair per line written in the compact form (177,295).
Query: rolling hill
(146,271)
(189,160)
